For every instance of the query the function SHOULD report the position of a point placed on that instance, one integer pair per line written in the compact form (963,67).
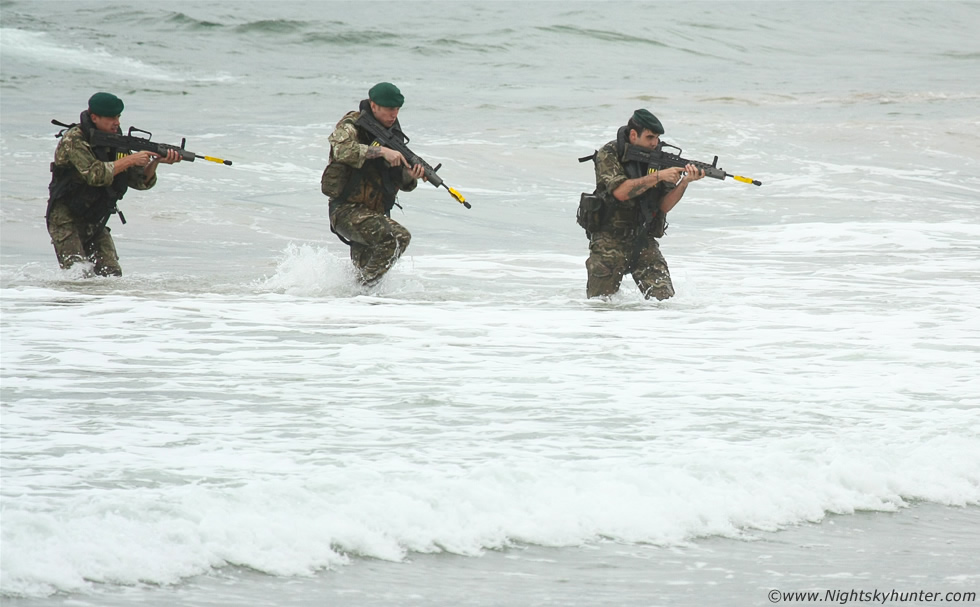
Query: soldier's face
(647,139)
(107,124)
(385,115)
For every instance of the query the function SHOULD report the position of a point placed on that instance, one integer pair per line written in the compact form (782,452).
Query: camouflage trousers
(77,240)
(376,240)
(611,257)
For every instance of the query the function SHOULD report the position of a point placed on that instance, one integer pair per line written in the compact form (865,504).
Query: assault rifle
(658,159)
(142,144)
(394,139)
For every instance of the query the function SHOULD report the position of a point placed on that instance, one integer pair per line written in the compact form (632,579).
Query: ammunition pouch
(591,212)
(335,178)
(658,227)
(654,220)
(90,206)
(374,185)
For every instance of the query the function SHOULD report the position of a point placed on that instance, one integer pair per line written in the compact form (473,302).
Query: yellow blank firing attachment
(218,160)
(746,180)
(458,197)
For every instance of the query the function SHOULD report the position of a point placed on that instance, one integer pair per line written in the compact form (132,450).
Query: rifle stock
(394,139)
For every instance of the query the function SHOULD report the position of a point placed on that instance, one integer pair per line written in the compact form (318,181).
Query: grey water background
(235,422)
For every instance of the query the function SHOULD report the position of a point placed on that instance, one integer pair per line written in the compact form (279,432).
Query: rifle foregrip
(185,155)
(161,149)
(433,178)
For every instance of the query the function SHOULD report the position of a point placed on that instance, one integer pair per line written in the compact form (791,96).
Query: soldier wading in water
(362,181)
(86,183)
(632,201)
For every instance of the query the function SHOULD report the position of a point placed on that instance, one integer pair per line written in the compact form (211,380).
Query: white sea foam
(291,430)
(38,47)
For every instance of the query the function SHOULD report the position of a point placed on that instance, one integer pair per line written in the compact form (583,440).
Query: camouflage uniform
(362,192)
(623,244)
(77,211)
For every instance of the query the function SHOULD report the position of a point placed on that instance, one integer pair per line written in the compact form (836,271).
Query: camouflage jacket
(351,177)
(622,216)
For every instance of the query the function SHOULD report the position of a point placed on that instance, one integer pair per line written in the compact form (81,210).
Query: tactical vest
(648,203)
(375,184)
(93,204)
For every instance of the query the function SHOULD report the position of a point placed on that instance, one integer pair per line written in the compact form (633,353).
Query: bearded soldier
(86,183)
(635,201)
(362,181)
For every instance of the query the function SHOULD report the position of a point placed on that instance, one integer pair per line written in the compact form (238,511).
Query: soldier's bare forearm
(631,188)
(373,151)
(671,199)
(638,189)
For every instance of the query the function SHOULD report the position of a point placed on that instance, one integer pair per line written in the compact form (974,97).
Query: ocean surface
(236,422)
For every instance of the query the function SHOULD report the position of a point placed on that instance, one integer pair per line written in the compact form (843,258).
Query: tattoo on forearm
(637,189)
(373,151)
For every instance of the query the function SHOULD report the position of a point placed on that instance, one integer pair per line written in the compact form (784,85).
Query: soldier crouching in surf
(362,181)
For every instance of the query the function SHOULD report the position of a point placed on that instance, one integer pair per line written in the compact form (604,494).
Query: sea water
(236,421)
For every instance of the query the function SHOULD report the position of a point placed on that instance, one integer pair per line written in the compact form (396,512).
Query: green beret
(105,104)
(648,121)
(386,94)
